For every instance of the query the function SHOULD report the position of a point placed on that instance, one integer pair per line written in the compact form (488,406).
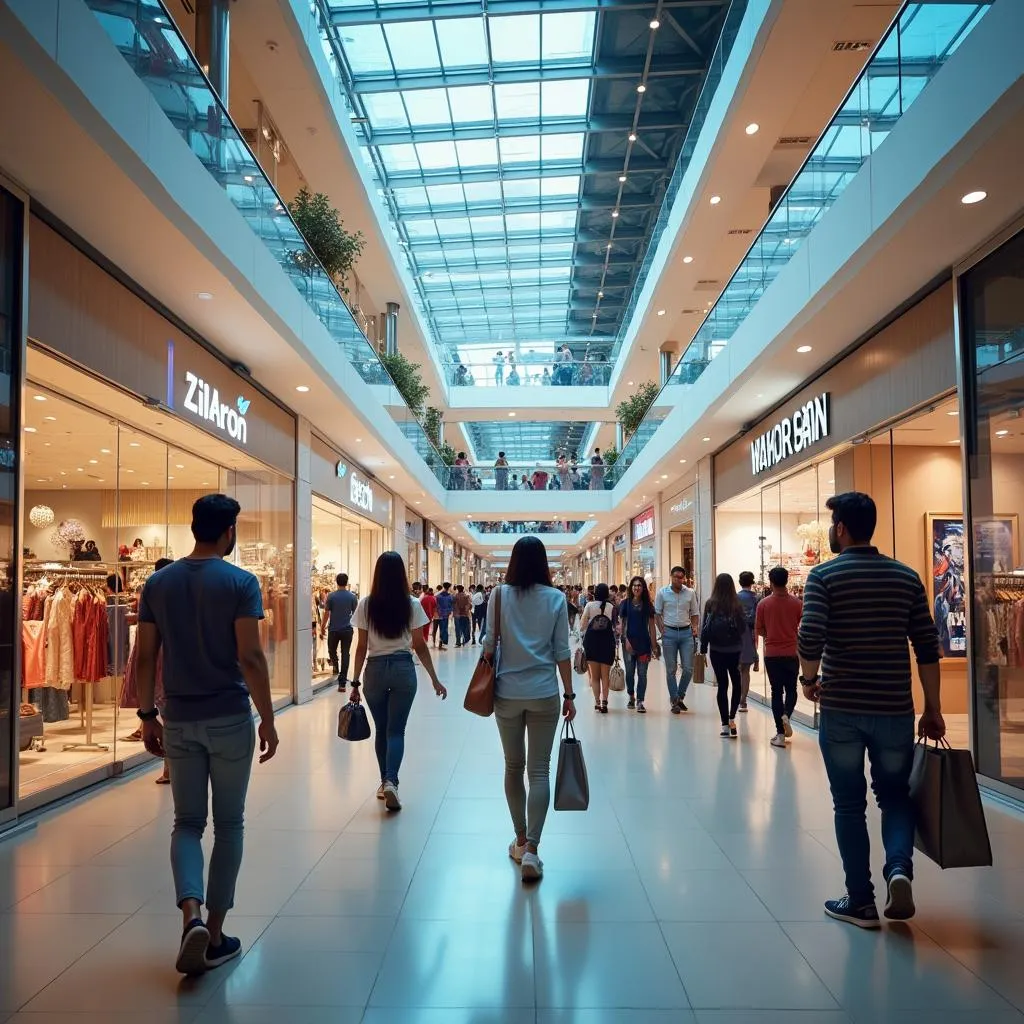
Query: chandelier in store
(40,516)
(68,534)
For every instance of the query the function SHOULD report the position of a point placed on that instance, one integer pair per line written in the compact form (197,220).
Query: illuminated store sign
(360,493)
(619,544)
(796,433)
(681,506)
(643,525)
(205,403)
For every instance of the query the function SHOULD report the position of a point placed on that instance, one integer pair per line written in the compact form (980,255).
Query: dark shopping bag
(353,723)
(951,827)
(572,789)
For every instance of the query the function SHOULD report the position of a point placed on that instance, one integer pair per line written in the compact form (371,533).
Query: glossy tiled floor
(690,891)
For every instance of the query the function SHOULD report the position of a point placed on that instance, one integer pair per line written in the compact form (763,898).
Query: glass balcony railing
(516,527)
(530,369)
(919,42)
(525,477)
(146,36)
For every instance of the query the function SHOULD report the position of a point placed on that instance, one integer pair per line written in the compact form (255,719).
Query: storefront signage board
(334,477)
(619,544)
(791,435)
(205,402)
(643,525)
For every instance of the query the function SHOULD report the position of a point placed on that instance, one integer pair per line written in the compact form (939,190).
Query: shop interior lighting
(104,451)
(973,197)
(682,462)
(955,412)
(50,419)
(655,24)
(511,414)
(753,128)
(615,213)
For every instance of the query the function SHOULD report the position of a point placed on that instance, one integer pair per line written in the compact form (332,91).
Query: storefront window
(992,303)
(109,489)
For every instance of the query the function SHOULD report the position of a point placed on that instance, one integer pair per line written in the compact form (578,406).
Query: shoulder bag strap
(497,618)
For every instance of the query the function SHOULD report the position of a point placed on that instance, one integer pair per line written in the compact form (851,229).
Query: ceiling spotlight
(803,349)
(955,412)
(359,440)
(303,388)
(205,296)
(715,200)
(1001,433)
(104,451)
(622,179)
(248,177)
(682,462)
(30,430)
(655,24)
(511,414)
(752,128)
(629,383)
(50,419)
(661,312)
(641,88)
(956,440)
(39,398)
(687,259)
(134,444)
(609,245)
(94,462)
(973,197)
(615,213)
(600,295)
(705,438)
(632,136)
(179,465)
(664,476)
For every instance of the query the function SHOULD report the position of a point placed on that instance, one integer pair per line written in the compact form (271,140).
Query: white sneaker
(778,740)
(900,904)
(516,852)
(725,732)
(533,867)
(786,727)
(391,801)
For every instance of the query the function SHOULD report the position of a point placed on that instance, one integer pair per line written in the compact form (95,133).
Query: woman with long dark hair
(722,632)
(639,640)
(598,628)
(534,630)
(390,621)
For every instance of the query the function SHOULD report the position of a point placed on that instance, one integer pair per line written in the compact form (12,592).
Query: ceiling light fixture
(687,259)
(803,349)
(205,296)
(661,312)
(973,197)
(178,465)
(1001,433)
(134,444)
(104,451)
(753,128)
(664,476)
(615,213)
(359,440)
(632,136)
(622,179)
(956,440)
(655,24)
(715,200)
(94,462)
(955,412)
(30,430)
(682,462)
(629,383)
(511,414)
(302,388)
(50,419)
(641,88)
(39,398)
(705,439)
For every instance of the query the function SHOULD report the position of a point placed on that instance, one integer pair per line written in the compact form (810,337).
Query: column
(620,439)
(303,646)
(704,530)
(391,329)
(212,43)
(398,539)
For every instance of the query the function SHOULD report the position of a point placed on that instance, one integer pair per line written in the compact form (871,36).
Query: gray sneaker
(900,903)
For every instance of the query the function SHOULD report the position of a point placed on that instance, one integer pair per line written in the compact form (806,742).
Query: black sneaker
(899,906)
(683,707)
(631,704)
(195,940)
(863,917)
(640,709)
(675,709)
(228,949)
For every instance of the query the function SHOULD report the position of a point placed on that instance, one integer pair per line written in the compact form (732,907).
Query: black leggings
(726,666)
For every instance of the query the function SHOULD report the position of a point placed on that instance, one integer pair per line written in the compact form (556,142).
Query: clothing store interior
(343,542)
(109,486)
(913,470)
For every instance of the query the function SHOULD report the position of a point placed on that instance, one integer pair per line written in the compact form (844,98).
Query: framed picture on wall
(995,550)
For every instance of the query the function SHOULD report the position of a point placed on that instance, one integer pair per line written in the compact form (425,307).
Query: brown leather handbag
(480,695)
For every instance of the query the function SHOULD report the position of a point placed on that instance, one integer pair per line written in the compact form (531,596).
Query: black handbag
(951,827)
(572,787)
(353,723)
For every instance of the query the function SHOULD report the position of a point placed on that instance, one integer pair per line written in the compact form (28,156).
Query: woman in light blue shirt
(534,643)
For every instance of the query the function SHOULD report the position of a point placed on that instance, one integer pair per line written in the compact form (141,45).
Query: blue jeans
(636,670)
(213,755)
(462,629)
(889,741)
(443,630)
(677,642)
(389,684)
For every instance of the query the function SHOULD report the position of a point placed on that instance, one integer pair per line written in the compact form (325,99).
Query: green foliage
(610,455)
(632,411)
(322,227)
(432,424)
(408,379)
(447,453)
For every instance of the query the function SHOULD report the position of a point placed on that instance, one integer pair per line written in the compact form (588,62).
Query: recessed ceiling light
(79,469)
(973,197)
(302,388)
(39,398)
(1001,433)
(144,483)
(622,179)
(511,414)
(129,470)
(955,412)
(30,430)
(804,348)
(205,483)
(661,312)
(641,88)
(415,502)
(632,136)
(134,444)
(104,451)
(655,24)
(359,440)
(40,480)
(94,462)
(956,440)
(205,296)
(50,419)
(705,438)
(682,462)
(615,213)
(46,444)
(752,128)
(715,200)
(179,465)
(392,477)
(687,259)
(664,476)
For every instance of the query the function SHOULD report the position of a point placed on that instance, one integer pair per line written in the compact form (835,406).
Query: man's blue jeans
(677,644)
(212,755)
(389,685)
(444,630)
(462,629)
(844,738)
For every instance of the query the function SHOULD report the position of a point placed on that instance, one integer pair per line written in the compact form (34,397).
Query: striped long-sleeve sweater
(860,609)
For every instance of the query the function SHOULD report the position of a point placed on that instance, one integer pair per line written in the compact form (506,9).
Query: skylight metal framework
(500,132)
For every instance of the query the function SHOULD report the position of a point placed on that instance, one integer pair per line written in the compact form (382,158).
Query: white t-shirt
(478,599)
(377,644)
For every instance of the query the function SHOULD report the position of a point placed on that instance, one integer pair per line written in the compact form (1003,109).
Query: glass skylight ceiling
(498,131)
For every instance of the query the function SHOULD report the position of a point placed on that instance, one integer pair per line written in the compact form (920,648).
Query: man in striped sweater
(860,609)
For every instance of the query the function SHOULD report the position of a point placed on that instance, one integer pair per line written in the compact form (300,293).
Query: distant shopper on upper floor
(596,471)
(501,472)
(860,609)
(499,368)
(534,653)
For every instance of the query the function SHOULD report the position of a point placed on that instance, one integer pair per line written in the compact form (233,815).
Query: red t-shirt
(429,603)
(777,620)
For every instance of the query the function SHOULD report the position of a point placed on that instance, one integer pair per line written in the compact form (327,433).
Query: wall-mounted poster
(995,550)
(947,587)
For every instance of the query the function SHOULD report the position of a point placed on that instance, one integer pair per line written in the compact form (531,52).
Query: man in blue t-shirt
(445,606)
(340,606)
(203,613)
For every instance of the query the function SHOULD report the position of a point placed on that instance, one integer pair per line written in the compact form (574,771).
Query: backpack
(723,630)
(600,622)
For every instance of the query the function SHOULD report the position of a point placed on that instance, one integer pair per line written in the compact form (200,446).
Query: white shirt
(376,644)
(477,599)
(676,609)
